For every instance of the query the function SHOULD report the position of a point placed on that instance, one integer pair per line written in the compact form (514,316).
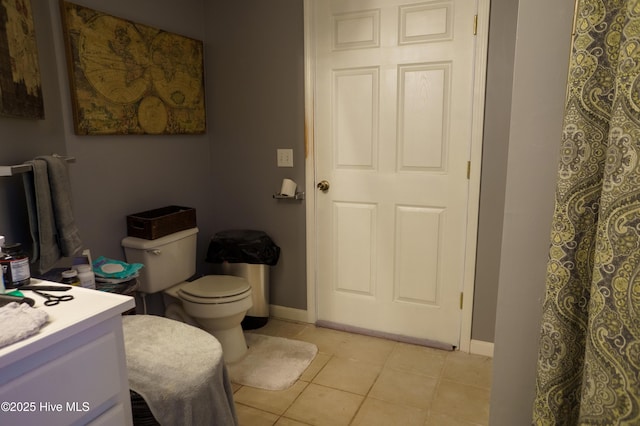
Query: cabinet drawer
(66,388)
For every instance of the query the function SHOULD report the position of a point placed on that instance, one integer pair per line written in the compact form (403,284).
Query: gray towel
(53,229)
(19,321)
(179,371)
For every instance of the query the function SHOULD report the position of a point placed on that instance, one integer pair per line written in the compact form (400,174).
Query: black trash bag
(243,246)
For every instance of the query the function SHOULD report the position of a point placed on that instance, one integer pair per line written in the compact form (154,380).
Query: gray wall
(256,100)
(118,175)
(502,29)
(21,140)
(254,104)
(539,82)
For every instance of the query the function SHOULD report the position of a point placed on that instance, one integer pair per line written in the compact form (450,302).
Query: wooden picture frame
(20,84)
(130,78)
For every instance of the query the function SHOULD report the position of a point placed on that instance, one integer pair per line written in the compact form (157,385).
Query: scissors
(53,300)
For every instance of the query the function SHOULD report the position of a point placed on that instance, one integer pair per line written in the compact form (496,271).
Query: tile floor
(362,380)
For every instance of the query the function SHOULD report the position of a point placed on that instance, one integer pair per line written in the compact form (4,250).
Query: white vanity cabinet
(73,372)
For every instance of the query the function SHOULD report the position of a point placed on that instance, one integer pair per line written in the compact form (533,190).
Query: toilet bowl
(215,303)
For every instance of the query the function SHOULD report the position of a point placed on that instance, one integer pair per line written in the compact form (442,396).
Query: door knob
(323,186)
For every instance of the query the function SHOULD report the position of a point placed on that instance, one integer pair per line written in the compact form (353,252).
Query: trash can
(247,254)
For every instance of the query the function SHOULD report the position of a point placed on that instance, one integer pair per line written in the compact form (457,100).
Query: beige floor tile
(280,328)
(283,421)
(403,388)
(380,413)
(348,375)
(275,402)
(438,419)
(318,363)
(248,416)
(320,406)
(414,384)
(417,359)
(468,369)
(235,387)
(328,341)
(365,348)
(461,401)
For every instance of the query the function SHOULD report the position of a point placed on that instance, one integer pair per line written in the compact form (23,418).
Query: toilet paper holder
(288,191)
(298,196)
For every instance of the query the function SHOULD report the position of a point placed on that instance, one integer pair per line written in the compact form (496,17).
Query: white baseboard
(291,314)
(478,347)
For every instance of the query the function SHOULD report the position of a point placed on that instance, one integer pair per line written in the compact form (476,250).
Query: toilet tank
(167,261)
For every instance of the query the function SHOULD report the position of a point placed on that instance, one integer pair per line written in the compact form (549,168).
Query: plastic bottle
(86,276)
(15,266)
(70,277)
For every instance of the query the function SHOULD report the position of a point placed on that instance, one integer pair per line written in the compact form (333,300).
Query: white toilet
(215,303)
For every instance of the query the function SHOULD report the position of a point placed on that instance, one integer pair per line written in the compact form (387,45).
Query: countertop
(88,308)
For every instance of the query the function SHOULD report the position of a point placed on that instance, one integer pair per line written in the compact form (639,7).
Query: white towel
(19,321)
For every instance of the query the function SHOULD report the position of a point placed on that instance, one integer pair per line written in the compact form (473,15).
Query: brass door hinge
(475,25)
(575,18)
(468,169)
(461,299)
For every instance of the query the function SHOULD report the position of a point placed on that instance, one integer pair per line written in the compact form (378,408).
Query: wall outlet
(285,157)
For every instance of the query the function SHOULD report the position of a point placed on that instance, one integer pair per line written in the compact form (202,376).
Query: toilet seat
(214,289)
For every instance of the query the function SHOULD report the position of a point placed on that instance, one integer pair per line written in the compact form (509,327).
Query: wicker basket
(157,223)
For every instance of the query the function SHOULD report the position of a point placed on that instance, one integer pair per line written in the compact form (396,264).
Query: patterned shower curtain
(589,356)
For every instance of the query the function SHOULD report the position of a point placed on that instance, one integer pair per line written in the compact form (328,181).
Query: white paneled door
(393,119)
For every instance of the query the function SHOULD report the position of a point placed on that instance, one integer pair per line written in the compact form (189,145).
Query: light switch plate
(285,157)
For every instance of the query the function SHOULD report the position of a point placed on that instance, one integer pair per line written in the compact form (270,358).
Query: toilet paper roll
(288,188)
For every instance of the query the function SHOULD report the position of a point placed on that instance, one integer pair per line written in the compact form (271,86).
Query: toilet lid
(216,286)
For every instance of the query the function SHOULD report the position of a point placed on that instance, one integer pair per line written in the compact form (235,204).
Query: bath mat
(272,363)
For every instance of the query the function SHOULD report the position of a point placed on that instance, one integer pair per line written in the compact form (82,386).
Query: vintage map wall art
(20,87)
(129,78)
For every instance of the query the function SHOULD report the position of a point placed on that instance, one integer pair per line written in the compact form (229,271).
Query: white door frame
(475,159)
